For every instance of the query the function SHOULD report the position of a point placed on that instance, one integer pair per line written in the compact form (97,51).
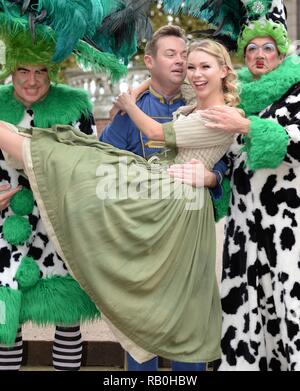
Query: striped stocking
(67,348)
(11,357)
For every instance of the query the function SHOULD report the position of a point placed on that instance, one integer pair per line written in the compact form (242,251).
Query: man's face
(31,83)
(168,66)
(261,56)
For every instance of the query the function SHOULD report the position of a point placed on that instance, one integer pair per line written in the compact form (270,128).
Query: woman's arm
(140,89)
(135,93)
(10,142)
(151,128)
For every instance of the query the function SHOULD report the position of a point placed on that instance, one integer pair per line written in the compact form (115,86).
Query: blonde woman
(147,250)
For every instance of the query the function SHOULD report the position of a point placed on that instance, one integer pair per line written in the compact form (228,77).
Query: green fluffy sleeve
(266,143)
(221,205)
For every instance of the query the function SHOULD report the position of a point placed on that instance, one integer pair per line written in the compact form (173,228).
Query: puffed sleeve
(190,132)
(271,142)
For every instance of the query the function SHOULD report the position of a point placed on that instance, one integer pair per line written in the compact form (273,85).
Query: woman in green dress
(148,243)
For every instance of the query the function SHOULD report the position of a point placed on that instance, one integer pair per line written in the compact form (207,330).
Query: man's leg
(11,357)
(150,365)
(67,348)
(188,366)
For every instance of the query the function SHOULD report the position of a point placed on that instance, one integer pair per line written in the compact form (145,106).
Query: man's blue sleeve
(220,170)
(116,133)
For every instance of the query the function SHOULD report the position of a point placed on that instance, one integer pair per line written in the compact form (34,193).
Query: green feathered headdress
(48,31)
(236,22)
(222,17)
(18,48)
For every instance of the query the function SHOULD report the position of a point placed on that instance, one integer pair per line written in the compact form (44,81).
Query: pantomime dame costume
(260,282)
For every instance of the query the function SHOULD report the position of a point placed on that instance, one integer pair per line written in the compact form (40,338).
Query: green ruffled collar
(256,95)
(62,105)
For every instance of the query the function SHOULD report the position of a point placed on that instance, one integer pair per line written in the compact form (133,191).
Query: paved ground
(99,331)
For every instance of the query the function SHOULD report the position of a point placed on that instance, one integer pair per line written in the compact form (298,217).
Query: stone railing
(100,88)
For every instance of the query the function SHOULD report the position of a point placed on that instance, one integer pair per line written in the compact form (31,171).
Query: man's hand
(225,118)
(193,173)
(6,194)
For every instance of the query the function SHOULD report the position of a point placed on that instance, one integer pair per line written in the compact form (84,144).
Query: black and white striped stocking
(67,348)
(11,357)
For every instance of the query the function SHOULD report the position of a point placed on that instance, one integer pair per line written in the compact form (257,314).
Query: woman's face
(262,56)
(205,74)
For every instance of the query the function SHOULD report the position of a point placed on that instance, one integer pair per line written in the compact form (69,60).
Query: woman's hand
(125,101)
(135,94)
(115,110)
(225,118)
(193,173)
(6,194)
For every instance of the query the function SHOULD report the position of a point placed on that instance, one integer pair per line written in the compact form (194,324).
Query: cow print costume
(261,266)
(68,344)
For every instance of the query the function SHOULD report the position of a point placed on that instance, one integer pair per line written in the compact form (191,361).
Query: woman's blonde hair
(217,50)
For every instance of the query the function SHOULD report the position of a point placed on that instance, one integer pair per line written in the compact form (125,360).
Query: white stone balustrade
(101,89)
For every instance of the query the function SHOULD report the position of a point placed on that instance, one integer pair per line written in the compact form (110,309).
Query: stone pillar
(293,9)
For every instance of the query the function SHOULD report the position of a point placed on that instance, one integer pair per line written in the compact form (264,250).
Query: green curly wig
(264,28)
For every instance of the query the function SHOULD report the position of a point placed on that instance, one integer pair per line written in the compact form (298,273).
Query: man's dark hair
(164,31)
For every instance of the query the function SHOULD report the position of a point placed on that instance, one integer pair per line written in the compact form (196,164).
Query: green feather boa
(75,104)
(257,95)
